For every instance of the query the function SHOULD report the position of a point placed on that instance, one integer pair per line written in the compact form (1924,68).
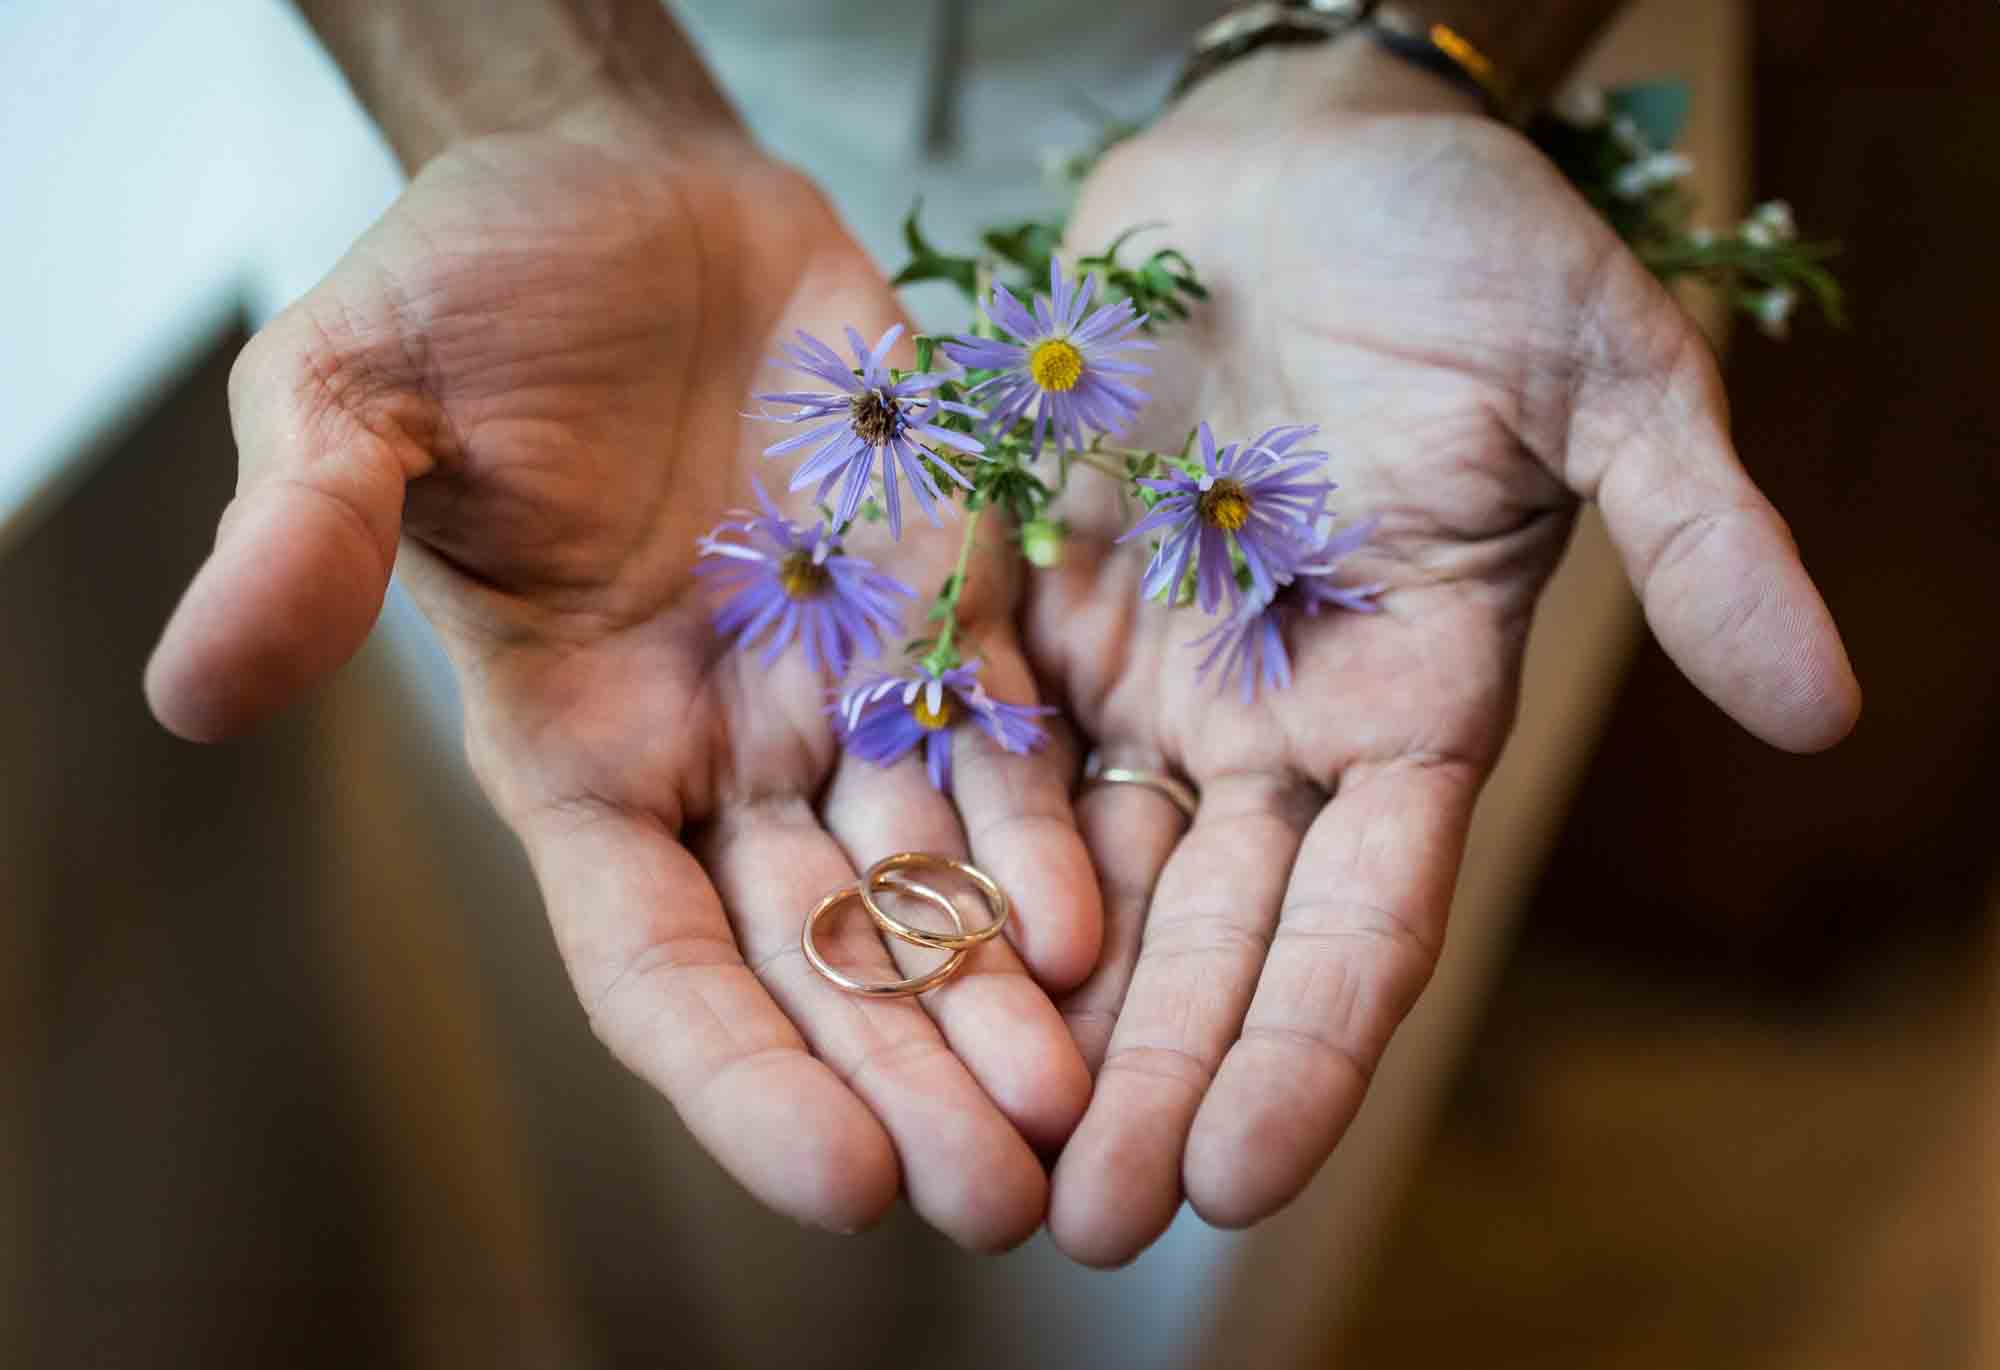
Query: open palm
(524,390)
(1480,353)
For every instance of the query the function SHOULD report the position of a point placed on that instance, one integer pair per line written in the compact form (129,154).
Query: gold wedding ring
(1177,792)
(997,902)
(887,874)
(891,989)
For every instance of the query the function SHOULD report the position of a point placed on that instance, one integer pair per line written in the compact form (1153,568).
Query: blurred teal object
(1659,108)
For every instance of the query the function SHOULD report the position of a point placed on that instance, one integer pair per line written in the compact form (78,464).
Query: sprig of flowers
(998,416)
(1617,147)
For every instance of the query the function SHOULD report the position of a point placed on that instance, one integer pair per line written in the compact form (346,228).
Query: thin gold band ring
(880,873)
(1175,791)
(892,989)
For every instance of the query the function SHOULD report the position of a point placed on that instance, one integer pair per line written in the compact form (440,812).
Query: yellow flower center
(1056,364)
(803,578)
(1226,505)
(946,710)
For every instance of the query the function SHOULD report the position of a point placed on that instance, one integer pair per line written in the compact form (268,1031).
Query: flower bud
(1773,309)
(1042,542)
(1636,180)
(1769,225)
(1583,105)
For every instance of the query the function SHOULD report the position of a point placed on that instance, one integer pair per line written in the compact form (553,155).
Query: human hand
(1481,353)
(524,390)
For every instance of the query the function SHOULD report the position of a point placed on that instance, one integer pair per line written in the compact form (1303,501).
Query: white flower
(1773,309)
(1630,136)
(1769,225)
(1701,236)
(1636,179)
(1583,105)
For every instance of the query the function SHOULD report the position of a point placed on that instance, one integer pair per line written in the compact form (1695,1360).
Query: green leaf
(913,235)
(928,264)
(962,272)
(1110,253)
(926,347)
(1028,245)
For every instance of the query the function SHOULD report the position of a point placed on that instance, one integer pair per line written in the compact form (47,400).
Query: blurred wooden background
(1882,447)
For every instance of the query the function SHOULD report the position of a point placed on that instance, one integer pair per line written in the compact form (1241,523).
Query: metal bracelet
(1443,51)
(1437,48)
(1243,31)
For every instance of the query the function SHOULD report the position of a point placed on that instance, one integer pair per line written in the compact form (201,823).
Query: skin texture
(523,389)
(1481,354)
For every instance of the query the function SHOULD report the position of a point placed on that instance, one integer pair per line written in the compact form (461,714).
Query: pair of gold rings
(888,874)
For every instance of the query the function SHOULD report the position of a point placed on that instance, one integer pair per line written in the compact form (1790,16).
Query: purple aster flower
(1058,362)
(882,719)
(1250,643)
(799,584)
(865,414)
(1258,494)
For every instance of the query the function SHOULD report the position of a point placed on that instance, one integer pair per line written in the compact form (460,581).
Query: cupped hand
(524,390)
(1481,354)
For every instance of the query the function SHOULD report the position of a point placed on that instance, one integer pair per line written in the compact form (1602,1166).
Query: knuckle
(1397,931)
(1204,935)
(323,379)
(1315,1043)
(1153,1061)
(638,980)
(908,1056)
(1357,998)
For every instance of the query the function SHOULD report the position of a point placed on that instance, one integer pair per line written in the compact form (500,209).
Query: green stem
(1096,463)
(941,657)
(1133,452)
(982,285)
(1732,255)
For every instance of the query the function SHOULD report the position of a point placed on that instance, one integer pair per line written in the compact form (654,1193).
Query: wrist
(437,72)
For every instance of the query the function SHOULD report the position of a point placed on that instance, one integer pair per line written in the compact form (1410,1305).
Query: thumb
(327,437)
(1714,564)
